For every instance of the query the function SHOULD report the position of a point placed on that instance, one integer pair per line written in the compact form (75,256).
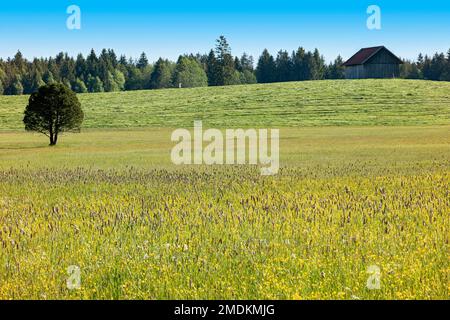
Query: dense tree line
(107,72)
(435,68)
(300,65)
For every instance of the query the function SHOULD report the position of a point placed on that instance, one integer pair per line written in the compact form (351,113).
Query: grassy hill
(294,104)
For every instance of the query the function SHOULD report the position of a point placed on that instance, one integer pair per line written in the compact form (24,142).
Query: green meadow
(364,184)
(294,104)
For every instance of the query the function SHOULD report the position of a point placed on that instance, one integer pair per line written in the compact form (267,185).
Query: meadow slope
(293,104)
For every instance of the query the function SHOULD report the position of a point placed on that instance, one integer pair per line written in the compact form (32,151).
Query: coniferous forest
(107,72)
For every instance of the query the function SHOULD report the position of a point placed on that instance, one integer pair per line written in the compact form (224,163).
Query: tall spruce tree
(143,61)
(299,65)
(212,69)
(225,68)
(266,68)
(284,67)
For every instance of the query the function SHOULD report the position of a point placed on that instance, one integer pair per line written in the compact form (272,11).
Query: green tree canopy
(79,87)
(189,73)
(266,69)
(248,77)
(95,84)
(16,87)
(52,110)
(161,76)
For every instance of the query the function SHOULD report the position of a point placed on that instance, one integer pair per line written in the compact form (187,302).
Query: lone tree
(53,109)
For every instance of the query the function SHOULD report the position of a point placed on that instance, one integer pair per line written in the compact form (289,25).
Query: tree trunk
(51,135)
(53,139)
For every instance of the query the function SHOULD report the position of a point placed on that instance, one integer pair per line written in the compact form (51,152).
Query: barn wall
(381,70)
(354,72)
(382,65)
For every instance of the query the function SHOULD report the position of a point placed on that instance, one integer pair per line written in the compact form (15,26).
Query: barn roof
(363,55)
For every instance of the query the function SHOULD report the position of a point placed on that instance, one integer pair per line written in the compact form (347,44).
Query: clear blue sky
(169,28)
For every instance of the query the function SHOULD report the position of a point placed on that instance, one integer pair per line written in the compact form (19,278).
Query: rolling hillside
(294,104)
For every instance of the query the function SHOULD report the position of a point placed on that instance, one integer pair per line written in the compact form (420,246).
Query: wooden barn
(375,62)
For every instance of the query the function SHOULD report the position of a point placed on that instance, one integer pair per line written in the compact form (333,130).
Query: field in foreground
(347,199)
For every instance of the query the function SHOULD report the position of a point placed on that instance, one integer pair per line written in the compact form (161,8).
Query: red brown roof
(363,55)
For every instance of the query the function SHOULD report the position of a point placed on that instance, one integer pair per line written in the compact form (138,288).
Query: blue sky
(170,28)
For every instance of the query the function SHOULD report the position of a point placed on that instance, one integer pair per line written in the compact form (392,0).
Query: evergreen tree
(36,82)
(123,60)
(143,61)
(420,61)
(426,68)
(212,69)
(67,69)
(225,66)
(134,79)
(445,76)
(237,64)
(317,66)
(438,64)
(17,88)
(80,67)
(122,66)
(53,68)
(112,58)
(161,76)
(310,69)
(246,62)
(48,77)
(299,65)
(284,67)
(19,62)
(92,64)
(336,70)
(266,68)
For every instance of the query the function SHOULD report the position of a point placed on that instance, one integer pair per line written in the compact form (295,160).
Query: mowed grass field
(294,104)
(360,188)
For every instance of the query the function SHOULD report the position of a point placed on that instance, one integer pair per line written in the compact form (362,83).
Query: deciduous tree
(52,110)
